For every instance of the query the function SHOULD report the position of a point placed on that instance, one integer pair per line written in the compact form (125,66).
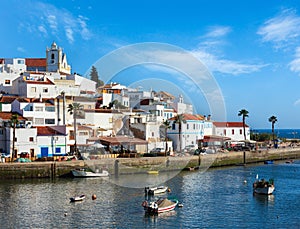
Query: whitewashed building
(232,130)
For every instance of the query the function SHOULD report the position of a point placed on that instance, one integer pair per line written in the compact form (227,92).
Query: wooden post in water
(244,154)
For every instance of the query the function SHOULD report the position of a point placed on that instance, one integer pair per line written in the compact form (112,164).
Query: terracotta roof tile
(229,124)
(7,116)
(35,62)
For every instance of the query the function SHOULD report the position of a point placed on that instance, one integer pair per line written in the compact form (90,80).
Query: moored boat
(159,206)
(268,162)
(77,198)
(263,186)
(156,190)
(85,173)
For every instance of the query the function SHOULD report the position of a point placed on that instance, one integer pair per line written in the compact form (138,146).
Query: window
(20,61)
(232,131)
(58,150)
(241,131)
(52,58)
(7,82)
(224,132)
(49,121)
(33,89)
(71,135)
(31,139)
(173,126)
(50,108)
(39,121)
(83,133)
(187,126)
(39,109)
(45,90)
(16,139)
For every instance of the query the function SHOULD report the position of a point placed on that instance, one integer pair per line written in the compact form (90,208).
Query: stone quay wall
(117,166)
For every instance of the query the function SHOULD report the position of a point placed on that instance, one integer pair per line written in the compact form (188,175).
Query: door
(44,151)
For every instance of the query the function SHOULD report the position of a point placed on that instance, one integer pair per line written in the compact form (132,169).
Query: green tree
(74,109)
(166,126)
(95,77)
(273,120)
(14,122)
(180,119)
(244,113)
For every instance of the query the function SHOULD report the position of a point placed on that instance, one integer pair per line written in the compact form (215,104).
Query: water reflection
(265,199)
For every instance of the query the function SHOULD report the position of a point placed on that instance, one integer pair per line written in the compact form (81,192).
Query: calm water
(281,133)
(217,198)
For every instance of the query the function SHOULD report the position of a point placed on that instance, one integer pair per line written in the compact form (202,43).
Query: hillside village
(48,111)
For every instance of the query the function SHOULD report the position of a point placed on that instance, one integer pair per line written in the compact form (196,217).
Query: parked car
(157,150)
(189,148)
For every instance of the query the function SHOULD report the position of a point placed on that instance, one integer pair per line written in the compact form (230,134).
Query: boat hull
(77,198)
(82,173)
(265,190)
(153,209)
(156,190)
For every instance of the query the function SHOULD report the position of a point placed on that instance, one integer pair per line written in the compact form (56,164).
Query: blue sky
(251,48)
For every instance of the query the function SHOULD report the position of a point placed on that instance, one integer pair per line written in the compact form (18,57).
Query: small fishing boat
(77,198)
(268,162)
(156,190)
(160,206)
(86,173)
(264,187)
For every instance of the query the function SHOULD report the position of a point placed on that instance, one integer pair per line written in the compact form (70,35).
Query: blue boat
(268,162)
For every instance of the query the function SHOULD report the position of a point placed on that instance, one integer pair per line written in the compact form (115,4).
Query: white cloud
(218,31)
(43,30)
(21,49)
(69,34)
(282,29)
(47,19)
(297,102)
(216,64)
(52,22)
(295,64)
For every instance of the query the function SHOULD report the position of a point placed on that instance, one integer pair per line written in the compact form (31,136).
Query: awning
(214,138)
(120,140)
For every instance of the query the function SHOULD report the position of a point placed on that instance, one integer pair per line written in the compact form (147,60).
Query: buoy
(65,214)
(169,190)
(245,181)
(180,205)
(94,197)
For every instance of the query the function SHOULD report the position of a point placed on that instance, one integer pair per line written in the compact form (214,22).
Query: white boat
(159,206)
(77,198)
(263,186)
(85,173)
(156,190)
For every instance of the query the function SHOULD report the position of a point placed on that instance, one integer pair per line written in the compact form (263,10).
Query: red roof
(7,99)
(229,124)
(7,116)
(47,131)
(35,62)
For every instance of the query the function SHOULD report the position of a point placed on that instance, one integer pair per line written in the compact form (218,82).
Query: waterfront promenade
(116,166)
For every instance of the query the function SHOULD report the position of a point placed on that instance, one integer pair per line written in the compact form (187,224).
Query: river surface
(216,198)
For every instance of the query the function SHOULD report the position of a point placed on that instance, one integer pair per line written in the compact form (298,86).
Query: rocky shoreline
(118,166)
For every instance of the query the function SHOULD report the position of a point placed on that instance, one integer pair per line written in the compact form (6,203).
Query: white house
(51,141)
(232,130)
(192,130)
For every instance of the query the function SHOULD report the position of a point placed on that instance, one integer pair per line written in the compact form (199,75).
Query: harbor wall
(117,166)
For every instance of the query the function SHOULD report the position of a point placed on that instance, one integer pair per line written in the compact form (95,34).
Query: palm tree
(166,125)
(74,110)
(273,119)
(14,122)
(244,113)
(180,119)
